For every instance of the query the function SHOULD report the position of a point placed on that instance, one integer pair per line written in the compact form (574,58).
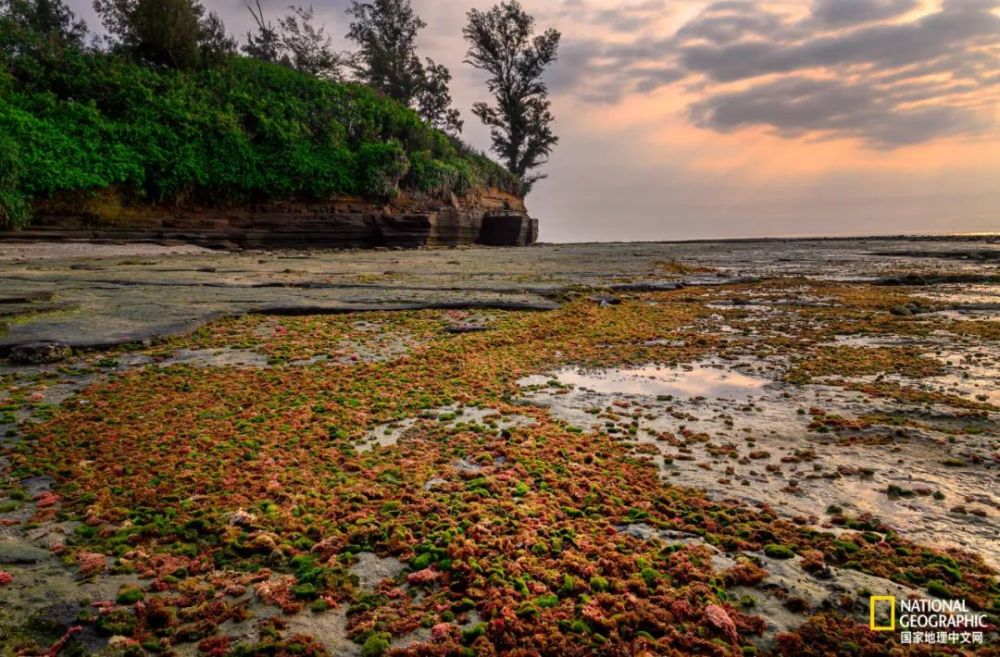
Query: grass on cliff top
(73,123)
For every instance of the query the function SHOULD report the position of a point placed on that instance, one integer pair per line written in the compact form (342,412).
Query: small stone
(242,518)
(466,328)
(435,482)
(39,353)
(901,311)
(606,300)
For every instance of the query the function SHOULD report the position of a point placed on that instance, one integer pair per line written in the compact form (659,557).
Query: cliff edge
(486,217)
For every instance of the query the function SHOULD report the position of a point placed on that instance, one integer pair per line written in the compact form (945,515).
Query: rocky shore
(617,449)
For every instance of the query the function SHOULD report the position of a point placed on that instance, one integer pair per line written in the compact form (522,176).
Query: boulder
(39,353)
(508,229)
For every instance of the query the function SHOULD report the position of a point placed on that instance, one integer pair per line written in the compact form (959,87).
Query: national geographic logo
(927,621)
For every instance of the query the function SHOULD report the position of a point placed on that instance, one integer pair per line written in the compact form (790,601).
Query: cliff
(99,147)
(490,217)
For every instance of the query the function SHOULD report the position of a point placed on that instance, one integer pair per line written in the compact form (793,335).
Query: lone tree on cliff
(387,32)
(502,43)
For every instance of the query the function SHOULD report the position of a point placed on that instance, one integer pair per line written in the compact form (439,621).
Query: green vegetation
(13,205)
(386,31)
(778,551)
(129,596)
(376,645)
(76,121)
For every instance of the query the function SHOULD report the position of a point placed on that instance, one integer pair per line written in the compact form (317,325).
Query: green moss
(779,551)
(305,591)
(472,633)
(118,622)
(319,606)
(598,583)
(938,589)
(376,645)
(129,596)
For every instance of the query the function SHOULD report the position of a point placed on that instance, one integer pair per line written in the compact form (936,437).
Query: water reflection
(685,383)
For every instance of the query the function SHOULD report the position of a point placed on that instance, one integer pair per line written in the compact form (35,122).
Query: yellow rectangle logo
(873,603)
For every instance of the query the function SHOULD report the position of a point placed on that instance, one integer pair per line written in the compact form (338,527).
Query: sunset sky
(690,119)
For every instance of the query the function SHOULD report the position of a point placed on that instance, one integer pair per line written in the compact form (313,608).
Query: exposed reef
(695,450)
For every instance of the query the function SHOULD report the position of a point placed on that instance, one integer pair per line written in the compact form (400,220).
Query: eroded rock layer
(492,218)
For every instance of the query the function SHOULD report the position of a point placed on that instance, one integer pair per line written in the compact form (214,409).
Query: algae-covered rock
(39,353)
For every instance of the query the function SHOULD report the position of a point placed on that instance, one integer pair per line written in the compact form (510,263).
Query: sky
(687,119)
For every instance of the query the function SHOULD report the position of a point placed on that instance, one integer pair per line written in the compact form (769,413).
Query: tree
(503,44)
(265,43)
(172,33)
(309,48)
(434,99)
(166,32)
(214,43)
(50,20)
(387,32)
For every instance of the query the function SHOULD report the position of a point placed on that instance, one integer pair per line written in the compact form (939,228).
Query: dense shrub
(13,205)
(241,131)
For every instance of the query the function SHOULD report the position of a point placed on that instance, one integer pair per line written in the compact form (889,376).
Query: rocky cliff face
(491,217)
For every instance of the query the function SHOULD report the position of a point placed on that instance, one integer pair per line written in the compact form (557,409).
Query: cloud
(733,21)
(872,70)
(807,106)
(877,46)
(856,12)
(627,17)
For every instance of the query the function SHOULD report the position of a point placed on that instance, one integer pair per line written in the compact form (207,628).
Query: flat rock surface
(95,295)
(17,552)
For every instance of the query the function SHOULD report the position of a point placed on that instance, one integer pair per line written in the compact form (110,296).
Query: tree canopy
(172,33)
(386,31)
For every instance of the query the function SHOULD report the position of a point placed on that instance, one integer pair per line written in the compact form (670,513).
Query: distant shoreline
(924,237)
(30,246)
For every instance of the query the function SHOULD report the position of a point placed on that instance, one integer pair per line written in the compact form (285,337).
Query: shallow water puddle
(388,435)
(689,382)
(778,450)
